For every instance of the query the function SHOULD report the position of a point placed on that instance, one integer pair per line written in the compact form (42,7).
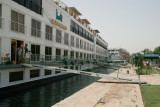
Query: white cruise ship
(55,35)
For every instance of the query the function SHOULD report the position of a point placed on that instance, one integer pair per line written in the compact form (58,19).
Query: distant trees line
(155,51)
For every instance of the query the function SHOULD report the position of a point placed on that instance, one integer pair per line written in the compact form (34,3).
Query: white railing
(58,39)
(66,41)
(18,27)
(48,36)
(36,32)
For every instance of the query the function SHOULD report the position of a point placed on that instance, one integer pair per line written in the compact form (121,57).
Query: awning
(75,11)
(97,31)
(149,56)
(86,21)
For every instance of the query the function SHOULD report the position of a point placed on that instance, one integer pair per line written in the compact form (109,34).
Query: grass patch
(151,95)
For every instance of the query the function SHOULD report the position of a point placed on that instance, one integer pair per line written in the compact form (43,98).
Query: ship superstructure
(54,33)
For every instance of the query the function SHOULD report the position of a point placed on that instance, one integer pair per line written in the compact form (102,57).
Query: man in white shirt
(19,50)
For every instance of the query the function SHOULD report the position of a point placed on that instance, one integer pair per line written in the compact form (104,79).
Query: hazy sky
(130,24)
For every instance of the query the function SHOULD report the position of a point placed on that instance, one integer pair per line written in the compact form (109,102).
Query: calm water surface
(48,95)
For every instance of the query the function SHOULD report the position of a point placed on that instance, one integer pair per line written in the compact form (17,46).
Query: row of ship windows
(101,44)
(35,49)
(36,56)
(74,27)
(18,75)
(34,5)
(17,24)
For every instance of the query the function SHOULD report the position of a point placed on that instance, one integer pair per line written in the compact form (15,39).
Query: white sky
(129,24)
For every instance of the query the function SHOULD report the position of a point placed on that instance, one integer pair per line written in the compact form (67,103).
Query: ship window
(65,53)
(48,53)
(72,26)
(72,40)
(48,32)
(72,54)
(84,56)
(17,22)
(81,31)
(88,46)
(35,49)
(84,33)
(47,72)
(77,42)
(58,54)
(66,37)
(34,73)
(36,28)
(34,5)
(77,54)
(15,76)
(84,45)
(77,67)
(76,28)
(81,55)
(57,72)
(92,56)
(81,44)
(58,36)
(87,35)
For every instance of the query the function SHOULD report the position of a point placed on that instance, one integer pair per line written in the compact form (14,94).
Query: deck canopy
(97,31)
(75,11)
(149,56)
(86,21)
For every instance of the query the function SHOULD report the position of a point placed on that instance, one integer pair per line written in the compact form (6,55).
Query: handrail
(71,13)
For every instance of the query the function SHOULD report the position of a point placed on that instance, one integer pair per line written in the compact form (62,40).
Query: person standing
(20,50)
(26,53)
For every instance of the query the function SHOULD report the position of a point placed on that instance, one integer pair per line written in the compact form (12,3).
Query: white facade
(48,13)
(20,30)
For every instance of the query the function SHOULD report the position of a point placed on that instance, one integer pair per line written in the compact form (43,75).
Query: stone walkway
(106,93)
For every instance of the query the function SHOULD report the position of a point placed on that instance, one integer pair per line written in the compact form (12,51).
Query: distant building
(118,55)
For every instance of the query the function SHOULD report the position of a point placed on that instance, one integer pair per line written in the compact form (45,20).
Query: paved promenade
(106,93)
(110,93)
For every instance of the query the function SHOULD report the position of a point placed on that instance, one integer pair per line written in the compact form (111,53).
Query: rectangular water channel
(49,94)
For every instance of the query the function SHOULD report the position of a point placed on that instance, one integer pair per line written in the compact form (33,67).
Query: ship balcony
(48,60)
(18,27)
(48,36)
(36,32)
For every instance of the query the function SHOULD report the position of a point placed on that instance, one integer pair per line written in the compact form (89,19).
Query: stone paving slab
(122,95)
(105,95)
(113,94)
(87,97)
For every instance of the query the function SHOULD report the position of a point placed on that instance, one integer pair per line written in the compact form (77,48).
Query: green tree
(147,51)
(157,50)
(140,65)
(133,60)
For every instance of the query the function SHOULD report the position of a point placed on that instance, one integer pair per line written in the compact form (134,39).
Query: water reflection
(48,95)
